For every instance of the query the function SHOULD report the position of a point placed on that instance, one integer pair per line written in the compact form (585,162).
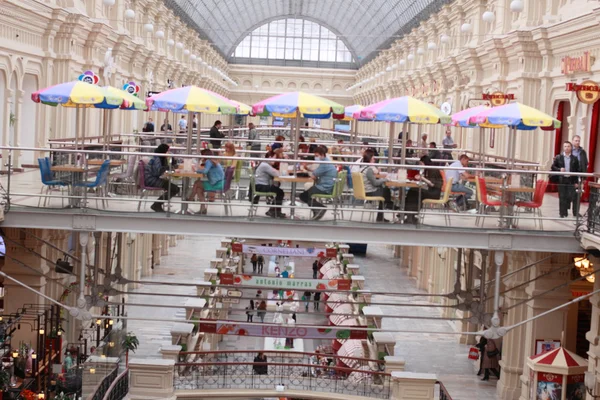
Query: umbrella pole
(296,141)
(403,161)
(391,144)
(77,123)
(354,135)
(481,139)
(198,133)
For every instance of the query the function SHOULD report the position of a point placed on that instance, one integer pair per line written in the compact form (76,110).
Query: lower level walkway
(440,354)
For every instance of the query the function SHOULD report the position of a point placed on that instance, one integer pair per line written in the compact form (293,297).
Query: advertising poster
(285,283)
(575,387)
(280,331)
(549,386)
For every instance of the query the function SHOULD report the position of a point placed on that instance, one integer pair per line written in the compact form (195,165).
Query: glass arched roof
(365,26)
(293,39)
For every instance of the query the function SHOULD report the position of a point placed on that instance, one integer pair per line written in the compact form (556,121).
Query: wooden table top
(67,168)
(184,174)
(511,189)
(113,163)
(488,179)
(292,178)
(405,184)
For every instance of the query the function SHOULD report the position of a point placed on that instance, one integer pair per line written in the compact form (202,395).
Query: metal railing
(119,388)
(291,376)
(505,214)
(593,214)
(105,384)
(444,395)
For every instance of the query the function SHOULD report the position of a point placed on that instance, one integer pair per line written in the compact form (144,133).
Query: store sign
(280,331)
(498,98)
(330,253)
(285,283)
(588,92)
(237,247)
(570,65)
(284,251)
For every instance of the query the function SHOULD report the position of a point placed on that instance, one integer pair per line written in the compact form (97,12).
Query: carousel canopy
(559,361)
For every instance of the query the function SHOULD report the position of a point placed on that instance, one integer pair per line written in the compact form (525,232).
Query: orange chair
(483,201)
(536,203)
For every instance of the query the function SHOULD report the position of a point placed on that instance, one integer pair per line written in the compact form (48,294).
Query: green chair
(256,194)
(336,194)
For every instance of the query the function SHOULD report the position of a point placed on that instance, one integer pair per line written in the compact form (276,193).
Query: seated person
(434,181)
(213,182)
(434,153)
(263,180)
(374,186)
(230,152)
(457,176)
(324,177)
(153,172)
(302,147)
(277,145)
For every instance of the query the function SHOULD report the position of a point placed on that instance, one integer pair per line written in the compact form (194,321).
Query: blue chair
(48,181)
(99,184)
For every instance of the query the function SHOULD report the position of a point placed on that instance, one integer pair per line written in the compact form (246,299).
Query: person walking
(260,366)
(306,300)
(254,140)
(261,263)
(567,184)
(254,261)
(315,268)
(262,310)
(481,346)
(317,298)
(215,135)
(249,314)
(582,157)
(182,124)
(490,360)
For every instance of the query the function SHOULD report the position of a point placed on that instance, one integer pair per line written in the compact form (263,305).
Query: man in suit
(567,184)
(215,135)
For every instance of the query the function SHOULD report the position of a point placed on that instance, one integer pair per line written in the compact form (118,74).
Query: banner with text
(280,331)
(285,283)
(285,251)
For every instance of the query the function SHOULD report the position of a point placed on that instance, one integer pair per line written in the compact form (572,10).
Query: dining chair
(442,203)
(483,201)
(336,194)
(48,181)
(125,179)
(141,184)
(358,188)
(536,203)
(99,184)
(255,198)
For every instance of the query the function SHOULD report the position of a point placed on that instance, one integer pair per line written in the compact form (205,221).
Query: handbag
(493,353)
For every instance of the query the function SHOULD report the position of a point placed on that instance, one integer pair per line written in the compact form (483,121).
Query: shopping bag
(473,353)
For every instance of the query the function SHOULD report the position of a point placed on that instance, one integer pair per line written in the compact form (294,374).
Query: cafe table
(294,180)
(113,163)
(75,173)
(509,194)
(403,185)
(185,176)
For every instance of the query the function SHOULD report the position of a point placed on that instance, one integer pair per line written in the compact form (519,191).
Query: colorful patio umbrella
(461,119)
(77,93)
(192,99)
(287,104)
(403,109)
(348,115)
(517,116)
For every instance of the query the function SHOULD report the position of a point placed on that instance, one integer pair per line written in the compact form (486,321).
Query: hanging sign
(283,283)
(570,65)
(237,247)
(283,251)
(588,92)
(497,98)
(280,331)
(89,77)
(331,252)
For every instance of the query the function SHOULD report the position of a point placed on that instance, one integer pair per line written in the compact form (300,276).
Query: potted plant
(4,382)
(130,343)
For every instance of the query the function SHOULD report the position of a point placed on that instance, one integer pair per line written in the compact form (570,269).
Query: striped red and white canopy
(559,358)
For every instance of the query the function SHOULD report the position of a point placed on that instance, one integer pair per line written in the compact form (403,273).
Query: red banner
(330,252)
(237,247)
(344,284)
(226,279)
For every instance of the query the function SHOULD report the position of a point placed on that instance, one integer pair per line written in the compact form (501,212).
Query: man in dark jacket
(153,171)
(567,184)
(215,135)
(260,366)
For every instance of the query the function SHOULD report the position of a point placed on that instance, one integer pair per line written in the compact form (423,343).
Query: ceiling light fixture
(517,6)
(170,42)
(466,27)
(160,34)
(444,38)
(148,27)
(488,16)
(431,46)
(129,13)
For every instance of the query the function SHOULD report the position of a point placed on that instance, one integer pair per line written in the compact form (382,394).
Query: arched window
(293,39)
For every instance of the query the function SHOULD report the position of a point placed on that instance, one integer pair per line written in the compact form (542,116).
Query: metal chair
(441,203)
(483,201)
(48,181)
(336,194)
(358,187)
(142,185)
(256,196)
(126,179)
(536,203)
(225,194)
(99,184)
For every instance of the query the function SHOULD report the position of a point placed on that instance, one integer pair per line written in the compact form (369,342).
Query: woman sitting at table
(153,172)
(230,152)
(375,186)
(278,143)
(434,181)
(213,182)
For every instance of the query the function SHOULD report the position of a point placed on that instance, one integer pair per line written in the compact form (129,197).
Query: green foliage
(131,342)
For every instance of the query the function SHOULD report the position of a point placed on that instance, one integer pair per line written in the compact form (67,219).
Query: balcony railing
(593,214)
(444,395)
(122,193)
(119,388)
